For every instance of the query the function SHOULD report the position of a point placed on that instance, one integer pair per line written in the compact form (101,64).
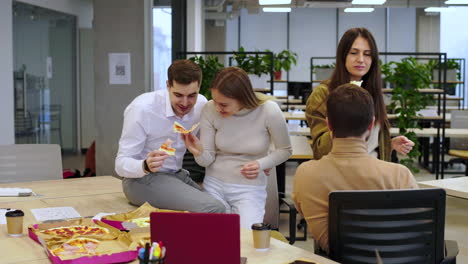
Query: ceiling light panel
(274,2)
(456,2)
(277,9)
(358,10)
(368,2)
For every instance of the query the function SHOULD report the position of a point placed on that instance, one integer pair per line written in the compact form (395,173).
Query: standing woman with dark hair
(236,131)
(357,59)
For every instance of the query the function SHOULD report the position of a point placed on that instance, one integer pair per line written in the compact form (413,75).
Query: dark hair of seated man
(350,111)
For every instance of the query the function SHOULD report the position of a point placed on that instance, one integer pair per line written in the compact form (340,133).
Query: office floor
(456,221)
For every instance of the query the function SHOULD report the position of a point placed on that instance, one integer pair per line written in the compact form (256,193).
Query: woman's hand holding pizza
(155,160)
(192,143)
(251,169)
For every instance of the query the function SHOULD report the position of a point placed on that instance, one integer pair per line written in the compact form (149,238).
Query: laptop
(197,238)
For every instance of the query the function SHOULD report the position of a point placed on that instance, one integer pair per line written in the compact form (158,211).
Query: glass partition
(44,46)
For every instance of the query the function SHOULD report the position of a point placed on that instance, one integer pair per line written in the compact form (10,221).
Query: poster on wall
(119,68)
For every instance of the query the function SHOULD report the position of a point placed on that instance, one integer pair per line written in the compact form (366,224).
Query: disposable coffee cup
(15,223)
(261,236)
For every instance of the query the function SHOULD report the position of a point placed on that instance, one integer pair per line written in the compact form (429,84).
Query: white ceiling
(253,7)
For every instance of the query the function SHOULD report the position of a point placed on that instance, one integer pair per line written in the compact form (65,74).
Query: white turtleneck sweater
(229,143)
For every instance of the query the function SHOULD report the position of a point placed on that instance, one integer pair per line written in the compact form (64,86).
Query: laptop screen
(197,237)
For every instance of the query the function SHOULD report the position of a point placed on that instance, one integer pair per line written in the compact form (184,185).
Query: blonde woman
(237,129)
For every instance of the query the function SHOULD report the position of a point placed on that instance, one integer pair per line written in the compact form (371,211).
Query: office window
(162,45)
(454,36)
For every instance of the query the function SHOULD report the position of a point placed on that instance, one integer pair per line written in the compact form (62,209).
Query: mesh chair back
(30,162)
(405,226)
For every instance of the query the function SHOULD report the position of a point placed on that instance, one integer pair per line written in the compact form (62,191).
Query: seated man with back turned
(150,175)
(348,166)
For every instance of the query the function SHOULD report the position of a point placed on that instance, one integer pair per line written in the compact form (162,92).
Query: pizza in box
(83,241)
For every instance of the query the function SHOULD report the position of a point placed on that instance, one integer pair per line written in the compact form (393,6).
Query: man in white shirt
(150,175)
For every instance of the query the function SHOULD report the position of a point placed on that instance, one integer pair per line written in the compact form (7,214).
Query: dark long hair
(372,80)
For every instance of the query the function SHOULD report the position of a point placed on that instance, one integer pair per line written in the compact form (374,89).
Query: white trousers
(246,200)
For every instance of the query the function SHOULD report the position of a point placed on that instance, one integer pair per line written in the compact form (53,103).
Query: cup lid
(14,213)
(261,226)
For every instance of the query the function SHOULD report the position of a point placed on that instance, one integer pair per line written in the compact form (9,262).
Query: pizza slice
(141,222)
(70,231)
(166,147)
(178,128)
(77,247)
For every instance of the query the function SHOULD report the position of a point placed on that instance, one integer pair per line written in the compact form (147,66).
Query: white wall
(83,9)
(454,38)
(263,31)
(7,134)
(195,25)
(373,21)
(428,32)
(314,32)
(402,30)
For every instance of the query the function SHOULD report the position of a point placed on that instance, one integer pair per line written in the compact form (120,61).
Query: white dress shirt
(148,122)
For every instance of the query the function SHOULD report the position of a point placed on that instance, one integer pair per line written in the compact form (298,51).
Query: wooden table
(457,187)
(294,115)
(424,132)
(90,196)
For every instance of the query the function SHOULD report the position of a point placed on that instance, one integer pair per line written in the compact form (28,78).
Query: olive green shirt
(316,113)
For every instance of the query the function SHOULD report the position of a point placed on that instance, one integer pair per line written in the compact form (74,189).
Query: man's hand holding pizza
(155,160)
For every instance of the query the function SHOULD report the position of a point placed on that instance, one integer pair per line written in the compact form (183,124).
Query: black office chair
(405,226)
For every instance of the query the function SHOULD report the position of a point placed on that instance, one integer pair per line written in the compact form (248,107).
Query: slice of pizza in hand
(178,128)
(166,147)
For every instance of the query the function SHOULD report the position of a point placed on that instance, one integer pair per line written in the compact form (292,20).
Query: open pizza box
(133,219)
(83,241)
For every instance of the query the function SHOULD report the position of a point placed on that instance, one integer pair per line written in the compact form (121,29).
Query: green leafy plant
(209,66)
(252,64)
(408,76)
(282,60)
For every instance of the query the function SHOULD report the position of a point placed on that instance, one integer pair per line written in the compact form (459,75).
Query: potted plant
(255,66)
(209,66)
(282,61)
(323,72)
(407,76)
(453,73)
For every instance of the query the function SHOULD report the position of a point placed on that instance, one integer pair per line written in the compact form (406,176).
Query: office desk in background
(457,187)
(90,196)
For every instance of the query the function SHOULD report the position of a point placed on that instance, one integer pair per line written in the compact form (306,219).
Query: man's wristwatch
(145,167)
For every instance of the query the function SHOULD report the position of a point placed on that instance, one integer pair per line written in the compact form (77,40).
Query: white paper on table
(3,211)
(101,215)
(54,213)
(120,68)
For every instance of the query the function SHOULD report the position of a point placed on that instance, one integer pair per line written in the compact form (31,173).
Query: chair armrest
(289,203)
